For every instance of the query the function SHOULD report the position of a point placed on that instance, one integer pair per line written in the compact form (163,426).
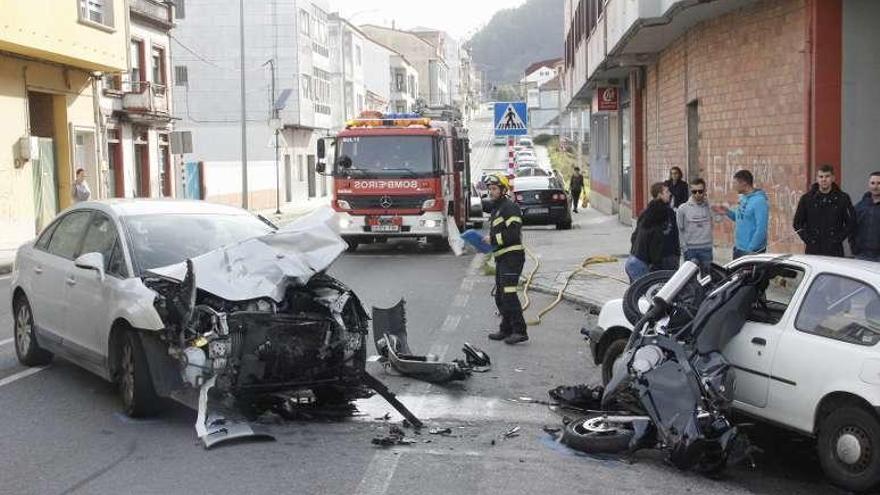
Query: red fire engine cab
(399,175)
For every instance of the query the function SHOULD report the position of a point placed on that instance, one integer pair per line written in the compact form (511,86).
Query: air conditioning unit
(23,151)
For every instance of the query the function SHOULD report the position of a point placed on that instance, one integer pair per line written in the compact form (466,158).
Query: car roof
(843,266)
(143,206)
(532,182)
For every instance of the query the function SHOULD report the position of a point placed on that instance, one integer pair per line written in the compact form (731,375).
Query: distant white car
(526,142)
(807,358)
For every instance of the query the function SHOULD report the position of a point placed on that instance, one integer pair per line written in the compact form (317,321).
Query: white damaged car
(806,359)
(169,298)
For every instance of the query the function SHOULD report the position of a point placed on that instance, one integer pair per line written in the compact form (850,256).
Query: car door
(89,298)
(751,351)
(831,345)
(51,268)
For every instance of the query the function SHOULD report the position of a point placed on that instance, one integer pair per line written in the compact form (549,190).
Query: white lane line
(450,324)
(379,472)
(21,374)
(6,341)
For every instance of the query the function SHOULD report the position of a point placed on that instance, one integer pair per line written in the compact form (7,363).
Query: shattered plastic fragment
(440,431)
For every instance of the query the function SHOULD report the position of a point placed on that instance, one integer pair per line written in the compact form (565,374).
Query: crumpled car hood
(265,266)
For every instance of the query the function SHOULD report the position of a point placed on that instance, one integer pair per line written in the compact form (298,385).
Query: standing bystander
(576,185)
(646,252)
(751,216)
(677,186)
(81,191)
(865,241)
(694,220)
(825,216)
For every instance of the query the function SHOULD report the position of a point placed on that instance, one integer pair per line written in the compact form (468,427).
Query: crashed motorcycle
(672,388)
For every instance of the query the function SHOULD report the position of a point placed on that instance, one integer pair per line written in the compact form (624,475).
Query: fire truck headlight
(429,223)
(429,204)
(342,204)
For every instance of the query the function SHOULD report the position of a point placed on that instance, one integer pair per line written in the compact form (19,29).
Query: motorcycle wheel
(637,298)
(593,435)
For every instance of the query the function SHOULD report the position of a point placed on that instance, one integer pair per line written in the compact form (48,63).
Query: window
(116,263)
(97,11)
(321,91)
(304,23)
(158,59)
(357,56)
(412,86)
(66,239)
(100,238)
(319,32)
(306,86)
(181,75)
(773,301)
(137,62)
(842,309)
(115,180)
(43,242)
(400,81)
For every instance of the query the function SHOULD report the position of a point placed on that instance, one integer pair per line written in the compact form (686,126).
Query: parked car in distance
(543,201)
(532,172)
(526,142)
(806,359)
(499,140)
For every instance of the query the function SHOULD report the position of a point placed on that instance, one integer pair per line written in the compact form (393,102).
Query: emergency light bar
(377,119)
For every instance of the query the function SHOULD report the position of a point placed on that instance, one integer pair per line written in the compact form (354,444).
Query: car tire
(612,352)
(582,435)
(566,225)
(689,299)
(352,245)
(439,244)
(139,398)
(849,448)
(27,349)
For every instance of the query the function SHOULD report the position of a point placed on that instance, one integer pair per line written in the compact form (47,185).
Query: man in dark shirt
(825,216)
(577,186)
(866,237)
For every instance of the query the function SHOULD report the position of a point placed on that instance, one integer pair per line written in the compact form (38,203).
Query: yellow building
(52,53)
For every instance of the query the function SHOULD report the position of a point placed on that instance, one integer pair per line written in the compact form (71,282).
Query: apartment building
(49,78)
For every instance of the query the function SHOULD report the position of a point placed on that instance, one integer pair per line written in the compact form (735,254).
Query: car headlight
(429,204)
(343,204)
(430,223)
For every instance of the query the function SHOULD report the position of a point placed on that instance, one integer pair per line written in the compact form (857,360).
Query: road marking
(7,341)
(21,374)
(450,324)
(461,300)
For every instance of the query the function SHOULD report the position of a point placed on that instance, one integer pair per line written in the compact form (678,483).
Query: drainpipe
(99,135)
(808,90)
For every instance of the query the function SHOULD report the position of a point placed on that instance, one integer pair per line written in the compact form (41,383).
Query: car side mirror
(344,161)
(322,150)
(459,165)
(320,167)
(91,261)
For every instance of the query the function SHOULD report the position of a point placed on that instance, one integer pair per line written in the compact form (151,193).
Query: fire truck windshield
(386,156)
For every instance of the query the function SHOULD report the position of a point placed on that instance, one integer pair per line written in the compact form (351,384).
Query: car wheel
(566,225)
(27,350)
(849,448)
(593,434)
(439,244)
(139,398)
(352,245)
(612,353)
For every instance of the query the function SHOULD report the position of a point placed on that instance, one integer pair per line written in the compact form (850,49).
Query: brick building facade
(777,87)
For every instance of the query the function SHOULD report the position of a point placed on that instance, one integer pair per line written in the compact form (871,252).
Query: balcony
(154,11)
(145,102)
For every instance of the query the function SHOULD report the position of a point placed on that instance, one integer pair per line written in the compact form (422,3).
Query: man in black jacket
(825,216)
(647,240)
(576,185)
(506,239)
(866,237)
(677,187)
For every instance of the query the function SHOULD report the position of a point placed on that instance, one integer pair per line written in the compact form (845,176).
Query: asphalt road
(61,432)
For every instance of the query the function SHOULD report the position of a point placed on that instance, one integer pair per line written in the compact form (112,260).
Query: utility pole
(244,165)
(275,123)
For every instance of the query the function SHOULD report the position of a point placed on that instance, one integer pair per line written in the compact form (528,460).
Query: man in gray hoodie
(695,227)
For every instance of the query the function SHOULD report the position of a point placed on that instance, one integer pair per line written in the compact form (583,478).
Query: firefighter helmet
(499,180)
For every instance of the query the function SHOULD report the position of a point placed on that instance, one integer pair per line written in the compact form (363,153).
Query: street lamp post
(275,123)
(244,168)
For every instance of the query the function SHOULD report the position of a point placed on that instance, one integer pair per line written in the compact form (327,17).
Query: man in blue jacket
(751,216)
(866,237)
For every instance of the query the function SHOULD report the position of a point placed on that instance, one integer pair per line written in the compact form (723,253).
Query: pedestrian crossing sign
(511,118)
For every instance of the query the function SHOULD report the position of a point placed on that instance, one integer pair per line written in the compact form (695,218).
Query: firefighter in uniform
(505,237)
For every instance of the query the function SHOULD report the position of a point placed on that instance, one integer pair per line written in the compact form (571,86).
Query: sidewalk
(292,211)
(561,252)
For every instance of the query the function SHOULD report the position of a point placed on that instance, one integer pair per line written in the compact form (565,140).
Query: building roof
(409,33)
(550,62)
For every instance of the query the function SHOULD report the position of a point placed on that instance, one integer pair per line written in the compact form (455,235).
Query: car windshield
(167,239)
(387,156)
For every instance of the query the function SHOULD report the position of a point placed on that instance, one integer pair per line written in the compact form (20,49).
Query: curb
(588,304)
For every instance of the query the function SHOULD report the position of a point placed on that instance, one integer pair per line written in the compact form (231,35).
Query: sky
(459,18)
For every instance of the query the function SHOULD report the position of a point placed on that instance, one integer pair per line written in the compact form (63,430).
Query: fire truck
(399,175)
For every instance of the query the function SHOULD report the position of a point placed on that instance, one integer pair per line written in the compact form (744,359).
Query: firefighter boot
(516,338)
(499,335)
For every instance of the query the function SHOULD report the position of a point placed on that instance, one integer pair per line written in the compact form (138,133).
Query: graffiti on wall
(782,187)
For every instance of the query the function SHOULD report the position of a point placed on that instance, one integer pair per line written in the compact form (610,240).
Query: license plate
(386,228)
(538,211)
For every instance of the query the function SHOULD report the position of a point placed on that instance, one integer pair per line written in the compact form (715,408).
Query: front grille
(386,202)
